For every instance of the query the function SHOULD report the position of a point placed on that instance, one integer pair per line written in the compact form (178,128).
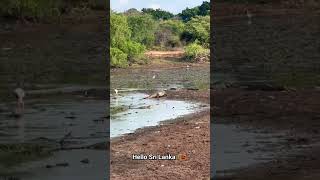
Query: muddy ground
(70,52)
(273,62)
(296,113)
(188,135)
(46,58)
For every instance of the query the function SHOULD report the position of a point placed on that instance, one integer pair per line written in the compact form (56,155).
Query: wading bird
(116,91)
(19,94)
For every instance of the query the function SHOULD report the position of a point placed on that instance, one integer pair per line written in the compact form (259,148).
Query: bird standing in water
(19,94)
(116,91)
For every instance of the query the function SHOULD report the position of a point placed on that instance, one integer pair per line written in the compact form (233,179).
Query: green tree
(123,49)
(119,30)
(202,10)
(187,14)
(198,29)
(132,11)
(158,13)
(169,33)
(143,28)
(177,27)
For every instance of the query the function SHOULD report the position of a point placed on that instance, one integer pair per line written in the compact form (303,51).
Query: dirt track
(165,54)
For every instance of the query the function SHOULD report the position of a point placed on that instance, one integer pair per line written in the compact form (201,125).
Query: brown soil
(163,63)
(165,54)
(189,135)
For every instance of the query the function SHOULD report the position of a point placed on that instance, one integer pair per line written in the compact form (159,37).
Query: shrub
(198,28)
(30,9)
(196,52)
(134,50)
(142,29)
(118,58)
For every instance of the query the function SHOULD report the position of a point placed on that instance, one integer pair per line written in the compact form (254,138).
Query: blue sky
(174,6)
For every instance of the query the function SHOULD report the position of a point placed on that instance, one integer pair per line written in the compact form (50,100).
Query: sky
(173,6)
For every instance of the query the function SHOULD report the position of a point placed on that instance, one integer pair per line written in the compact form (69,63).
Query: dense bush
(30,9)
(37,10)
(202,10)
(195,52)
(168,34)
(118,58)
(158,13)
(134,50)
(142,28)
(198,29)
(124,50)
(134,31)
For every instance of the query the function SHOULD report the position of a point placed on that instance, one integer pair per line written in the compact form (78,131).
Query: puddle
(145,112)
(83,118)
(235,148)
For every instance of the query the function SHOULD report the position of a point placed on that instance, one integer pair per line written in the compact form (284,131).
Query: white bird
(116,91)
(19,94)
(154,76)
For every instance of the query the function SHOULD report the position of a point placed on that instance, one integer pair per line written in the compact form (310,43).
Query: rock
(85,161)
(70,117)
(49,166)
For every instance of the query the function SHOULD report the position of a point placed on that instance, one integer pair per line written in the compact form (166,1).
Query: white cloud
(123,2)
(155,6)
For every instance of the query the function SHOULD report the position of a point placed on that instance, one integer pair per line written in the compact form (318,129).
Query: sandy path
(164,54)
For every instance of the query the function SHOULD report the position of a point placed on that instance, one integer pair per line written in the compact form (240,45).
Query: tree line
(46,10)
(133,32)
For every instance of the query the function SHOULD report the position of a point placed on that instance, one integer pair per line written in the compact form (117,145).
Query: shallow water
(46,122)
(235,148)
(139,115)
(53,119)
(95,169)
